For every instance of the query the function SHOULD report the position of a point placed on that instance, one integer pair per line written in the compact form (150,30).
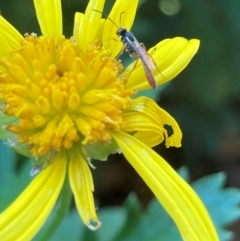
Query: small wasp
(136,50)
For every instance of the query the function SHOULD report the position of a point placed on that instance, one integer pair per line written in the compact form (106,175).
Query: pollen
(60,95)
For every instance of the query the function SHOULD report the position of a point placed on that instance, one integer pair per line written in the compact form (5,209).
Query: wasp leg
(133,68)
(152,60)
(122,50)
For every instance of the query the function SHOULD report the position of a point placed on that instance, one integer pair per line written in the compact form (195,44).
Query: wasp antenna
(121,18)
(105,15)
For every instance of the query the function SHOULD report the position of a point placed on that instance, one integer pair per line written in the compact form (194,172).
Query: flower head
(70,96)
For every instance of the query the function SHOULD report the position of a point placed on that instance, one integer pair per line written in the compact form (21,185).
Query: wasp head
(121,31)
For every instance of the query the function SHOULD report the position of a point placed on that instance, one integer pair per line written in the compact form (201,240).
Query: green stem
(61,210)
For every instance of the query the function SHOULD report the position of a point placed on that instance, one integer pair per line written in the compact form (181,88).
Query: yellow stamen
(61,95)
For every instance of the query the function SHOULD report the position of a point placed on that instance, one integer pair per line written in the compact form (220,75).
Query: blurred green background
(204,98)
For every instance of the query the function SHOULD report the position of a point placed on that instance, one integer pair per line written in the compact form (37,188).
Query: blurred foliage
(129,222)
(14,175)
(204,99)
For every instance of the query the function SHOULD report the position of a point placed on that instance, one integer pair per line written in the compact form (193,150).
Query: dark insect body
(136,50)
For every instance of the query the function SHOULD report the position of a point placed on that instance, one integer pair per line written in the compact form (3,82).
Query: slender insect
(136,50)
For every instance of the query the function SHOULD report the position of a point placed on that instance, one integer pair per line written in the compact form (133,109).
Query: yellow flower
(70,97)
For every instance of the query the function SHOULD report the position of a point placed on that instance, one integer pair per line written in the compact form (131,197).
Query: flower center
(61,95)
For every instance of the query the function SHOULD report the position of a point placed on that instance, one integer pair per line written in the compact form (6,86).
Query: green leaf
(20,148)
(222,203)
(113,219)
(184,173)
(101,151)
(134,212)
(70,229)
(58,214)
(127,223)
(10,138)
(12,180)
(5,120)
(89,235)
(155,225)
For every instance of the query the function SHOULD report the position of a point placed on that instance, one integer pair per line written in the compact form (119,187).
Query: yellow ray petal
(26,215)
(78,26)
(148,107)
(123,14)
(171,56)
(81,183)
(10,38)
(90,24)
(49,14)
(176,196)
(148,131)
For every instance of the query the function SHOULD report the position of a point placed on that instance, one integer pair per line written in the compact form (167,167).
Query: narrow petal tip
(94,226)
(195,44)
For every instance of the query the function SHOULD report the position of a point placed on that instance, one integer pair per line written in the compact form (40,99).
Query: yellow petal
(78,27)
(123,14)
(27,214)
(171,56)
(49,14)
(10,38)
(176,196)
(81,183)
(148,131)
(90,24)
(160,117)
